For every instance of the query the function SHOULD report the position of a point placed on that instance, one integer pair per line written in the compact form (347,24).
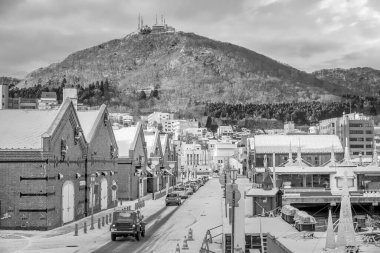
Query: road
(170,224)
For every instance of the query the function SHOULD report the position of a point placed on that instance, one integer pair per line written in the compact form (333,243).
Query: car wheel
(113,237)
(143,233)
(138,236)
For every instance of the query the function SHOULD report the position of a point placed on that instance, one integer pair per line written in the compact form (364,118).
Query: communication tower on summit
(157,28)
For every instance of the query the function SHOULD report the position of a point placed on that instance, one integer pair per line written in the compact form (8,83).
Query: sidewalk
(62,239)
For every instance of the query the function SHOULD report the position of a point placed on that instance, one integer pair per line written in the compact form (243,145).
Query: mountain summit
(186,66)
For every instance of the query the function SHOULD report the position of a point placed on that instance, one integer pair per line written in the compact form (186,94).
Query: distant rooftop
(49,95)
(23,129)
(265,144)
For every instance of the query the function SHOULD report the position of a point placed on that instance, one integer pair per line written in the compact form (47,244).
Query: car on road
(189,190)
(173,198)
(181,190)
(127,223)
(194,185)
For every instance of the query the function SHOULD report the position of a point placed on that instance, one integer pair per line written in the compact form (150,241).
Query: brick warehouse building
(46,159)
(132,162)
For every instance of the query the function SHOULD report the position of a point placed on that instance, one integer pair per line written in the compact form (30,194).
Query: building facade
(354,130)
(46,159)
(3,96)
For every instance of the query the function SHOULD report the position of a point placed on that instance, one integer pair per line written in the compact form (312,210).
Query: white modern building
(48,100)
(198,132)
(195,159)
(159,117)
(225,131)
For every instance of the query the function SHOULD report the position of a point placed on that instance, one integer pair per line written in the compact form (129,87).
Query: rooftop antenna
(142,22)
(138,26)
(156,18)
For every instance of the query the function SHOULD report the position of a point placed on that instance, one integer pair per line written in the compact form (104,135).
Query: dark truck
(127,223)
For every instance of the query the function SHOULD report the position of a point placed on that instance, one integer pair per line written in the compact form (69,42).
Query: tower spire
(347,157)
(346,232)
(290,159)
(330,236)
(333,161)
(299,158)
(156,18)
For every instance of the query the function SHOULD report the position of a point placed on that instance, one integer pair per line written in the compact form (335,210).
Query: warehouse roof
(280,144)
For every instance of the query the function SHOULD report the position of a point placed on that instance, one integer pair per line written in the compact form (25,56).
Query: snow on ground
(62,239)
(200,212)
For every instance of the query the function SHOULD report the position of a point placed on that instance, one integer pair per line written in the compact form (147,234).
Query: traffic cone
(177,249)
(184,245)
(190,235)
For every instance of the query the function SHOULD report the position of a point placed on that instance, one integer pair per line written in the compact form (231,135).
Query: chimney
(71,93)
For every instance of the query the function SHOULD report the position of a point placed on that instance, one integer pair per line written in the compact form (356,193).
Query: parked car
(127,223)
(173,198)
(200,182)
(195,186)
(189,190)
(181,190)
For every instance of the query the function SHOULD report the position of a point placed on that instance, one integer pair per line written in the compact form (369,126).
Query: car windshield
(172,195)
(125,216)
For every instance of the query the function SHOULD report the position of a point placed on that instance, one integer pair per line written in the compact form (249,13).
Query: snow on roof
(272,225)
(87,121)
(150,139)
(261,192)
(304,170)
(163,139)
(22,129)
(124,138)
(265,144)
(51,94)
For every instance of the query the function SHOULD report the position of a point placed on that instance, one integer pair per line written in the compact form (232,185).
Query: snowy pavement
(166,226)
(200,212)
(62,239)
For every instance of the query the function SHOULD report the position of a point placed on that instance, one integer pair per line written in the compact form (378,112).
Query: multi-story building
(354,130)
(220,153)
(48,100)
(225,131)
(376,138)
(194,159)
(3,96)
(159,117)
(197,132)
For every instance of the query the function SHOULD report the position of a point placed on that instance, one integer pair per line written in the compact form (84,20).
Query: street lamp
(233,177)
(155,162)
(92,179)
(171,166)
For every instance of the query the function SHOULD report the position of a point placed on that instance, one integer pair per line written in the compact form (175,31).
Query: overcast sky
(306,34)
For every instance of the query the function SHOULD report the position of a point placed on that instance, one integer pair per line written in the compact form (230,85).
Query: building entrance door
(67,202)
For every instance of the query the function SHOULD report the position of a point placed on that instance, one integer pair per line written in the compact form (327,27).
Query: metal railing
(208,239)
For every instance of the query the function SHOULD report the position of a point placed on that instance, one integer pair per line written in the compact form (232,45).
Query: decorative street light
(171,166)
(155,162)
(92,179)
(233,172)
